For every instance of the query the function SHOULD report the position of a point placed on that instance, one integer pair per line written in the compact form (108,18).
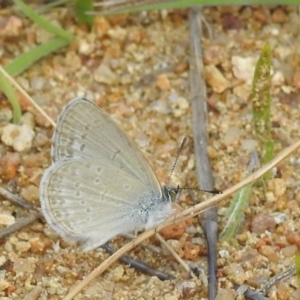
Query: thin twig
(121,4)
(249,293)
(186,214)
(17,200)
(198,97)
(286,274)
(150,247)
(32,102)
(260,294)
(253,295)
(176,256)
(138,265)
(19,224)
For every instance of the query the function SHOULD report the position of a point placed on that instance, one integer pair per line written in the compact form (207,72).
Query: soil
(136,68)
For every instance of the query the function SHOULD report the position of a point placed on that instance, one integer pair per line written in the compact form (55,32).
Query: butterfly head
(170,194)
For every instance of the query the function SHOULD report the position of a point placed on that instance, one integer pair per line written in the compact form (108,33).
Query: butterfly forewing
(86,131)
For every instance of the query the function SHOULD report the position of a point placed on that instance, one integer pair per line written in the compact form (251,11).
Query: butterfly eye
(170,194)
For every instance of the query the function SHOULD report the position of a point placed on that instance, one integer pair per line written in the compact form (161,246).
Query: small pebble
(261,223)
(289,251)
(36,245)
(30,193)
(41,140)
(186,288)
(6,219)
(232,135)
(20,137)
(279,16)
(191,251)
(278,186)
(5,115)
(105,75)
(225,294)
(216,79)
(248,144)
(176,245)
(34,160)
(34,294)
(269,252)
(9,164)
(3,260)
(22,246)
(118,272)
(163,82)
(38,83)
(243,67)
(3,285)
(174,231)
(27,119)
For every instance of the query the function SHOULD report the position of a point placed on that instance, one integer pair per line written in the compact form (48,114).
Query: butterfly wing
(90,203)
(85,131)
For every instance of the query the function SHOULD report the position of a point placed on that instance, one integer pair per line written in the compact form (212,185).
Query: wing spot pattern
(77,193)
(99,170)
(69,151)
(115,154)
(97,180)
(82,146)
(77,184)
(75,171)
(127,187)
(102,196)
(58,215)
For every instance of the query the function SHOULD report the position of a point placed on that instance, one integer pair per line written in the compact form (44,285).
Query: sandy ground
(136,68)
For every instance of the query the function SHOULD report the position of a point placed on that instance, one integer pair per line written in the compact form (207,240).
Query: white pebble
(232,135)
(22,246)
(279,217)
(20,137)
(248,145)
(6,219)
(104,74)
(38,83)
(243,67)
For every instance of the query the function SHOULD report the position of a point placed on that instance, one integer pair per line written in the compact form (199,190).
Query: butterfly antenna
(173,168)
(215,192)
(178,154)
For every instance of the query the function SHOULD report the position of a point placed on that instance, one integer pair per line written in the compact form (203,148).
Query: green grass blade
(22,62)
(269,151)
(261,106)
(81,7)
(235,213)
(45,7)
(136,7)
(8,90)
(42,22)
(297,266)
